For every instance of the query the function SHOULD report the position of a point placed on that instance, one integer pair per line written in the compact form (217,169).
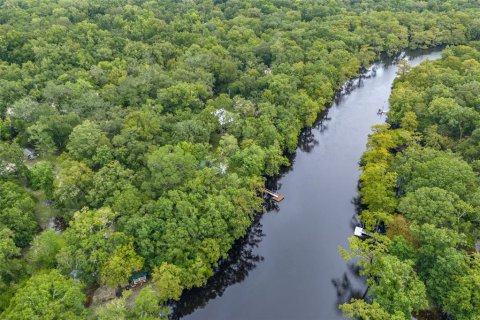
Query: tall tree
(47,296)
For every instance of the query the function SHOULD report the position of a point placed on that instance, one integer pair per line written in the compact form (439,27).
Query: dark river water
(288,266)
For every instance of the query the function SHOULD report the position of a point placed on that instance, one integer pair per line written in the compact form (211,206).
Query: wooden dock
(275,196)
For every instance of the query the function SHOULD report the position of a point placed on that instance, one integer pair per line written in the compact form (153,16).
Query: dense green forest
(157,122)
(420,179)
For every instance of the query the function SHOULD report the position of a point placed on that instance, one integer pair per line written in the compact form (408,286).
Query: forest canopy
(424,192)
(136,135)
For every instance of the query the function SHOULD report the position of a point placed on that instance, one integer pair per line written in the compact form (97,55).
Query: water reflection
(307,140)
(235,268)
(344,288)
(243,258)
(356,82)
(343,285)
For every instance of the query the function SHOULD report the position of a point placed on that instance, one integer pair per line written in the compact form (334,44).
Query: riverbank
(288,265)
(420,180)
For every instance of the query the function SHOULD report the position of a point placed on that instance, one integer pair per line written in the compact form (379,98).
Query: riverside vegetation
(156,123)
(420,183)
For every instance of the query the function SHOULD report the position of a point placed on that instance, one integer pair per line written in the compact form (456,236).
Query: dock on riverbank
(275,196)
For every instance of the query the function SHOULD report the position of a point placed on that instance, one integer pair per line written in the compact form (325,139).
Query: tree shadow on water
(351,284)
(355,83)
(307,140)
(345,288)
(234,269)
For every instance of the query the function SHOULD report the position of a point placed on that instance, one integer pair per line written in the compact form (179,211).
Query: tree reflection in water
(235,268)
(343,286)
(242,258)
(307,139)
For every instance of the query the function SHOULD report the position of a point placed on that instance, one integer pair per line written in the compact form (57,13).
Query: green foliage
(47,296)
(11,164)
(360,309)
(439,207)
(72,185)
(93,247)
(396,286)
(41,178)
(17,212)
(428,256)
(409,121)
(10,265)
(147,306)
(402,248)
(441,170)
(169,167)
(109,181)
(378,181)
(441,93)
(84,141)
(450,274)
(366,251)
(250,161)
(454,284)
(43,250)
(167,282)
(113,310)
(171,114)
(378,191)
(120,265)
(50,133)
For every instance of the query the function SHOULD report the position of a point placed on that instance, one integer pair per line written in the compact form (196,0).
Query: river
(288,266)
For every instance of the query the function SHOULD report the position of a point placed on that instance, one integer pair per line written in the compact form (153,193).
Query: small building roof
(138,275)
(358,232)
(29,153)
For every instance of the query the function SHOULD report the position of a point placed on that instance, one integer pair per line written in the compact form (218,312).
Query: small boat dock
(275,196)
